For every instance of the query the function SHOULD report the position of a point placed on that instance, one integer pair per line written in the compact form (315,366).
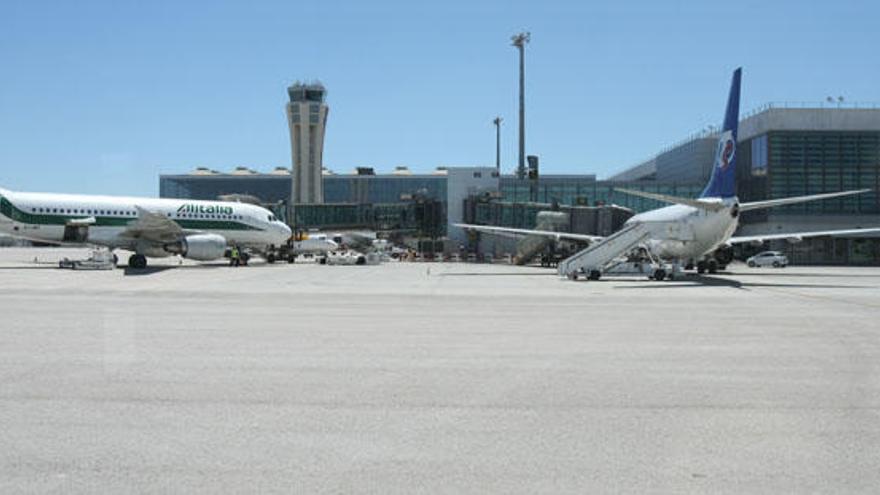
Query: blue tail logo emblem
(726,150)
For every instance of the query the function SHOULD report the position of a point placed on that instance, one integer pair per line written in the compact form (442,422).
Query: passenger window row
(82,211)
(126,213)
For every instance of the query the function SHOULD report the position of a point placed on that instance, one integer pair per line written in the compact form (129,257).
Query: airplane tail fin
(722,184)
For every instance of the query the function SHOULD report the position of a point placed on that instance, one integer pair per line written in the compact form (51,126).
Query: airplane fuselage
(681,232)
(45,217)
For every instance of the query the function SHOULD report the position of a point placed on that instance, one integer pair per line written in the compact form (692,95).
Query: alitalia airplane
(150,227)
(690,231)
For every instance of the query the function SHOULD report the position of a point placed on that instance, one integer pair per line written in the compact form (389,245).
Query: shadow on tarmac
(476,274)
(150,270)
(703,281)
(53,266)
(778,273)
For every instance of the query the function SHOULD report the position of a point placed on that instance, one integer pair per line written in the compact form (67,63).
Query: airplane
(150,227)
(690,231)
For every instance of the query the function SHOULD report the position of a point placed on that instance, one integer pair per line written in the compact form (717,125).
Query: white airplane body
(689,231)
(151,227)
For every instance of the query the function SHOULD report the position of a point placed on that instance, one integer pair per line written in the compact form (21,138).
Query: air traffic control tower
(307,118)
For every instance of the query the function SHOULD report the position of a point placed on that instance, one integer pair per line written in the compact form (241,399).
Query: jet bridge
(596,258)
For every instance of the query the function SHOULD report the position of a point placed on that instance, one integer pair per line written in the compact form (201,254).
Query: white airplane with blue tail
(690,231)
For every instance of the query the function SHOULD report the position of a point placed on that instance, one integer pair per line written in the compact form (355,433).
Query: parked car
(768,258)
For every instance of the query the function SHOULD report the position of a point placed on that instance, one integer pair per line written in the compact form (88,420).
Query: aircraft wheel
(701,267)
(659,274)
(594,275)
(713,266)
(137,261)
(270,258)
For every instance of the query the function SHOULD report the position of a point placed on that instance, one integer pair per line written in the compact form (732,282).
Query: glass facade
(421,218)
(802,163)
(274,188)
(581,190)
(585,190)
(269,188)
(564,189)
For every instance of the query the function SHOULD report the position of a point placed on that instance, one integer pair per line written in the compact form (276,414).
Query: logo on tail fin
(726,150)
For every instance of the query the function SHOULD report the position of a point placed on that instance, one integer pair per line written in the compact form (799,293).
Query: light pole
(519,41)
(497,123)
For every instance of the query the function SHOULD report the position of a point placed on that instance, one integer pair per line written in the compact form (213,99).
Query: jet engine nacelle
(723,255)
(200,247)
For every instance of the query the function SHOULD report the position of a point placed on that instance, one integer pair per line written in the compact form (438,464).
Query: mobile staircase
(593,260)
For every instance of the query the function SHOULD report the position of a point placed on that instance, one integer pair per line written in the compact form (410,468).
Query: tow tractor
(99,259)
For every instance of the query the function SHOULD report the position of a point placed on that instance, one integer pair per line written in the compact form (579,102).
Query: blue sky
(101,97)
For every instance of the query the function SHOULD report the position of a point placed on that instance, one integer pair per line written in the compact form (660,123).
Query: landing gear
(594,275)
(712,266)
(137,261)
(701,267)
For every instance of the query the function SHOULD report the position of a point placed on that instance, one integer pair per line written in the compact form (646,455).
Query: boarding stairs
(594,259)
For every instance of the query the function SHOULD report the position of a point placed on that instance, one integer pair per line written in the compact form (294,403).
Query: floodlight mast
(497,121)
(519,41)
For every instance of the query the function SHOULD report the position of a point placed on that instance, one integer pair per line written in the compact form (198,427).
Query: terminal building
(782,152)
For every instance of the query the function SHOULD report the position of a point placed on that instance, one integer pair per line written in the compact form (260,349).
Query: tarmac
(435,378)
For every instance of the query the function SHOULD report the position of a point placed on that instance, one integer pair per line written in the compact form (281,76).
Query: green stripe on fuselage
(9,210)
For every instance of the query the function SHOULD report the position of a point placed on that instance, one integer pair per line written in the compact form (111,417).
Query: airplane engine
(723,255)
(201,247)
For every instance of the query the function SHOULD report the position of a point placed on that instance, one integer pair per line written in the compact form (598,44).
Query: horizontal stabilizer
(696,203)
(756,205)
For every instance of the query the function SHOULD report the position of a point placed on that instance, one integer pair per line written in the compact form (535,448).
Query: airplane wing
(796,199)
(524,232)
(154,227)
(703,205)
(798,236)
